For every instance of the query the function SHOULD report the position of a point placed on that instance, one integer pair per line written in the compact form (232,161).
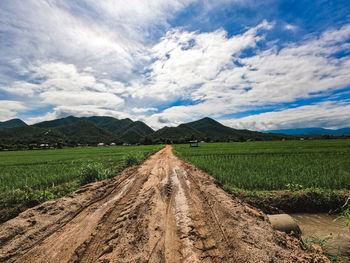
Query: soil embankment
(164,210)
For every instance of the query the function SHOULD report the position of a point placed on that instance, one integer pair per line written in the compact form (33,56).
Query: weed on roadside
(93,172)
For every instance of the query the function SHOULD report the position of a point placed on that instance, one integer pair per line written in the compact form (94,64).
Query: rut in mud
(164,210)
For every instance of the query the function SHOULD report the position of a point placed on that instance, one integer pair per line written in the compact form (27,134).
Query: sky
(250,64)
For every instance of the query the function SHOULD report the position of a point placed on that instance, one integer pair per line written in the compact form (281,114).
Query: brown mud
(304,201)
(164,210)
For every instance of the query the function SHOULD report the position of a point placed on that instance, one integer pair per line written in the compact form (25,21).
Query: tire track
(63,244)
(183,220)
(15,246)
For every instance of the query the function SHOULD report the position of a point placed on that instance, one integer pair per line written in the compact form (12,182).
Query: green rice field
(46,168)
(274,165)
(30,177)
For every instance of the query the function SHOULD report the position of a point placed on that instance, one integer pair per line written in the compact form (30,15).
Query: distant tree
(241,139)
(146,141)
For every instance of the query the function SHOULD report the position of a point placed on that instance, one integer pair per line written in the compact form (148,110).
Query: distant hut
(44,146)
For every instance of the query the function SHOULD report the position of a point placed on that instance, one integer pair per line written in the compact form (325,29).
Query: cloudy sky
(252,64)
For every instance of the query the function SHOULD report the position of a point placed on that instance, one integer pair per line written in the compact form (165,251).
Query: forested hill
(12,123)
(208,129)
(74,130)
(125,129)
(93,130)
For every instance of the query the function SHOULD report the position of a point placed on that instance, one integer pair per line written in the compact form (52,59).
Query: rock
(317,248)
(284,223)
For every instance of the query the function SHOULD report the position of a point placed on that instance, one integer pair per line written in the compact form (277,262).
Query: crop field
(46,168)
(30,177)
(275,165)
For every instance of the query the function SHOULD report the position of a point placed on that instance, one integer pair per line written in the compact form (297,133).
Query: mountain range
(73,130)
(312,131)
(208,129)
(92,130)
(125,130)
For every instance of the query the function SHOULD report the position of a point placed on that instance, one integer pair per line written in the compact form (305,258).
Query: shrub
(130,160)
(93,172)
(136,158)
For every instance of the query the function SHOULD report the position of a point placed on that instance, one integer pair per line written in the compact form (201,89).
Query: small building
(113,144)
(194,143)
(101,144)
(44,146)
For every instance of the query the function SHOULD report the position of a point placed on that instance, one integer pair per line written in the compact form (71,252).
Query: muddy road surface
(164,210)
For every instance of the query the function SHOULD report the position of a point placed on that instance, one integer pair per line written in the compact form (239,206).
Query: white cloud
(9,109)
(47,117)
(59,84)
(143,110)
(229,83)
(108,36)
(183,61)
(22,88)
(331,115)
(78,111)
(61,77)
(107,58)
(290,27)
(292,73)
(105,100)
(138,19)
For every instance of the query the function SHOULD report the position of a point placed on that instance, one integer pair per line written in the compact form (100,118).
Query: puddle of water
(322,225)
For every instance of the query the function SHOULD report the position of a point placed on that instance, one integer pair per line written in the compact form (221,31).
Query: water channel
(322,225)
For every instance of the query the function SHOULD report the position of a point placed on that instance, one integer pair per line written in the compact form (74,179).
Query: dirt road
(164,210)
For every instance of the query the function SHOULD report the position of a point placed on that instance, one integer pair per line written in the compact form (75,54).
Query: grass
(310,242)
(30,177)
(279,176)
(276,165)
(346,212)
